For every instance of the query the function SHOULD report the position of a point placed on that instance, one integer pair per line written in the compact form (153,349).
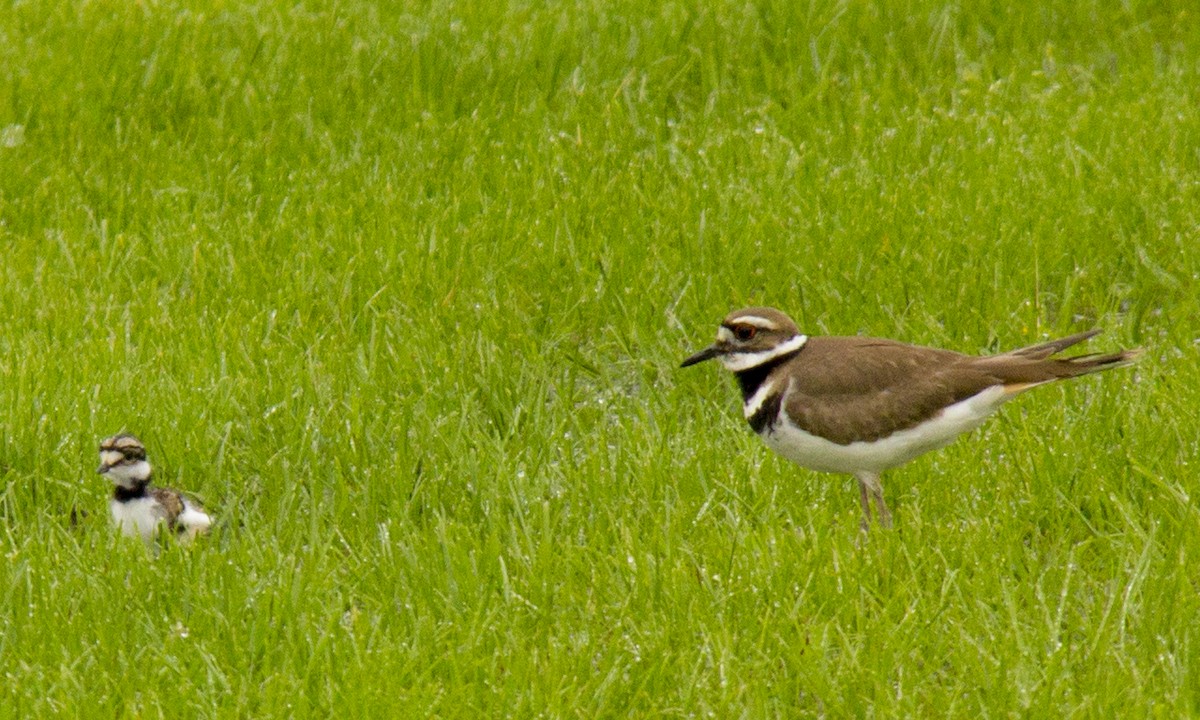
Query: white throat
(129,476)
(739,361)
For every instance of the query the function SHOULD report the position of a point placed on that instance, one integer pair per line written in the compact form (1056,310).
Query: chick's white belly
(137,517)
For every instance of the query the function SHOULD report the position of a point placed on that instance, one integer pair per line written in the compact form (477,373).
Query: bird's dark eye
(745,332)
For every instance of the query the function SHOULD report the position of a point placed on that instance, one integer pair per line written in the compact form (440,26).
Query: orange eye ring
(745,333)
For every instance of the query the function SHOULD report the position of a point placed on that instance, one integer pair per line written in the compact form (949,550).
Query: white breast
(137,517)
(817,453)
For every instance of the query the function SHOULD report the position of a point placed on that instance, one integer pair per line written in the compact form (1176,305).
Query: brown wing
(1033,365)
(849,388)
(171,502)
(1046,349)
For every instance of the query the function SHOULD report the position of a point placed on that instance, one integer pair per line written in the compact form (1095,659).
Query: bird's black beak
(707,353)
(103,469)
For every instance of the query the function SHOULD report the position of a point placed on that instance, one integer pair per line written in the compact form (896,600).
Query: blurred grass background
(399,292)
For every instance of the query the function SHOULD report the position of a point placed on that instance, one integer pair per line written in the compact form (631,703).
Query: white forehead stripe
(739,361)
(110,457)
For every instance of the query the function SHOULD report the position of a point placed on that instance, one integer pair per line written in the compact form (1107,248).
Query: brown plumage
(855,388)
(862,405)
(171,502)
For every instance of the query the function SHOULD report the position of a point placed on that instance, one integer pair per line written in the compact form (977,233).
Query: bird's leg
(866,503)
(885,515)
(869,484)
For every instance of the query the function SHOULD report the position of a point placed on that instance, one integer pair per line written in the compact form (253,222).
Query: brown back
(857,388)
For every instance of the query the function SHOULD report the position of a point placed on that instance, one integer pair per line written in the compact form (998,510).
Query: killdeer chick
(861,405)
(138,508)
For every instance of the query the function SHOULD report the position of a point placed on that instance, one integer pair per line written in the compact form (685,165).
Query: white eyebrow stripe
(756,321)
(110,457)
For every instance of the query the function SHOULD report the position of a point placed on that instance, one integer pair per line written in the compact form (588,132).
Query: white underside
(817,453)
(144,516)
(193,520)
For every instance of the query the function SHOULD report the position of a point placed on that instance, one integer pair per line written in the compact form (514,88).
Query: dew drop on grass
(12,135)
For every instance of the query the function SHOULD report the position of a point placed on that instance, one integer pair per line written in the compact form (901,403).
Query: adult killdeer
(138,508)
(861,405)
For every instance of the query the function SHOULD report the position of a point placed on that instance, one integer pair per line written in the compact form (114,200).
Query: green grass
(400,292)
